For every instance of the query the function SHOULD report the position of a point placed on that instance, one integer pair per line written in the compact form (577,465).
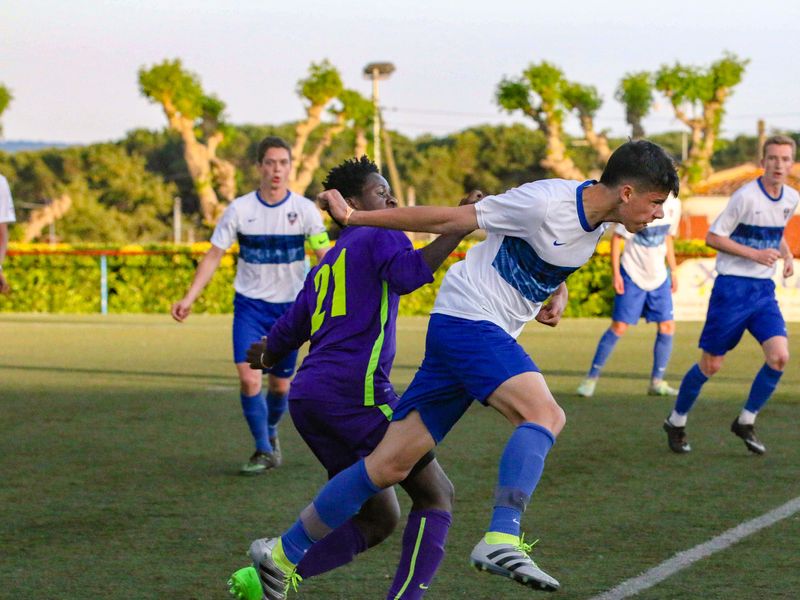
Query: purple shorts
(339,435)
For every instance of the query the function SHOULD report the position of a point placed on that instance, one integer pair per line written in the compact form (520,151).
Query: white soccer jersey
(537,234)
(6,204)
(271,240)
(645,251)
(753,218)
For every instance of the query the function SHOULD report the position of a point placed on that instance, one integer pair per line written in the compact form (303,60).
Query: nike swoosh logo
(557,243)
(250,220)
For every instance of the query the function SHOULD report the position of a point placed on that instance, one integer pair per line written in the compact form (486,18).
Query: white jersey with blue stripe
(6,203)
(537,235)
(645,251)
(271,240)
(754,218)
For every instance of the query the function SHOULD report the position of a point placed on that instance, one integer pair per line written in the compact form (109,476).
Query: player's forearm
(205,271)
(726,244)
(671,262)
(457,220)
(3,242)
(435,253)
(786,251)
(616,251)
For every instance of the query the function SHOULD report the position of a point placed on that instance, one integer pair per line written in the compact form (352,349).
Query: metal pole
(684,146)
(176,220)
(103,284)
(376,123)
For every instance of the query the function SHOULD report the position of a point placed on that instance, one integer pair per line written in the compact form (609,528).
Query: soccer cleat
(512,561)
(245,585)
(274,579)
(586,388)
(276,450)
(259,463)
(748,434)
(676,438)
(662,388)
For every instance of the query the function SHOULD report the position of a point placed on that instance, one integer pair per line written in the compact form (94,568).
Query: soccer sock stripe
(276,407)
(764,384)
(604,348)
(662,351)
(254,409)
(690,389)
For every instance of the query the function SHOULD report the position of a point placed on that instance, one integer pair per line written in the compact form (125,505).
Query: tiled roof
(727,181)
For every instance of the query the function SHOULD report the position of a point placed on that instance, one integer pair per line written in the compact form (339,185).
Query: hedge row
(69,283)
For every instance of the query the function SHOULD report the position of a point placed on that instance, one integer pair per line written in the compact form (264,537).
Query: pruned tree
(635,92)
(5,100)
(538,94)
(586,101)
(361,114)
(45,216)
(198,118)
(698,96)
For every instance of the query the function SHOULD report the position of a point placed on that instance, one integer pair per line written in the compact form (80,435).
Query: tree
(198,118)
(635,91)
(703,92)
(5,99)
(586,101)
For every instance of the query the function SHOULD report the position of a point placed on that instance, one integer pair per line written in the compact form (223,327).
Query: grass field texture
(121,436)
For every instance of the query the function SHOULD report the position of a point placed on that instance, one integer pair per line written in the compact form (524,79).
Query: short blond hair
(780,140)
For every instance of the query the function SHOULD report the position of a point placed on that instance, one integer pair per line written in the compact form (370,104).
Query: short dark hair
(644,163)
(350,176)
(271,141)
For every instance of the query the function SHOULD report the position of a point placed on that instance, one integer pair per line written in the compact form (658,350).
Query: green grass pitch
(120,438)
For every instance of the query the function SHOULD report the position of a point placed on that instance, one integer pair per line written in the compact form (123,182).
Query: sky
(72,64)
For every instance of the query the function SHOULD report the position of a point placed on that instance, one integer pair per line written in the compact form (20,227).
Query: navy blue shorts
(654,305)
(252,320)
(740,304)
(464,361)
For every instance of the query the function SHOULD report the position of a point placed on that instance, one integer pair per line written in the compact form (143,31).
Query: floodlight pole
(376,71)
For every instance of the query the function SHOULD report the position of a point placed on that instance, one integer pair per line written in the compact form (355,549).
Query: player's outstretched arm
(205,270)
(435,253)
(765,256)
(459,220)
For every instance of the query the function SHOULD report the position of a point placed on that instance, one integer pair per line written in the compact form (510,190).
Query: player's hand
(336,206)
(550,313)
(5,288)
(181,309)
(256,355)
(673,282)
(788,267)
(619,284)
(471,198)
(766,256)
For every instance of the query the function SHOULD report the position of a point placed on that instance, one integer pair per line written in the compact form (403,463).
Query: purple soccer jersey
(348,309)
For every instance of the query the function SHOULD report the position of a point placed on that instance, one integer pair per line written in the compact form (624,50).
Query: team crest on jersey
(292,216)
(786,212)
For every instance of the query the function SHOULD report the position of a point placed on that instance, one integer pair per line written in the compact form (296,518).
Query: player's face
(376,194)
(640,208)
(274,168)
(777,161)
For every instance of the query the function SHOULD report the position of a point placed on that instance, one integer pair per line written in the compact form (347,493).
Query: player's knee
(278,385)
(379,522)
(559,419)
(667,327)
(710,365)
(618,327)
(438,495)
(778,360)
(250,384)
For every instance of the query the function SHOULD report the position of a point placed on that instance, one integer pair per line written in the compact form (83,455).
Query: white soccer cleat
(512,561)
(586,388)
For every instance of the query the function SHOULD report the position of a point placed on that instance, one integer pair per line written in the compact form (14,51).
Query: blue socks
(662,350)
(339,499)
(604,348)
(763,385)
(521,467)
(689,390)
(255,413)
(276,406)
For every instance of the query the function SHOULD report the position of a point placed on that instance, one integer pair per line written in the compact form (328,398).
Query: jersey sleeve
(6,204)
(619,229)
(225,233)
(314,227)
(293,328)
(402,267)
(514,213)
(730,216)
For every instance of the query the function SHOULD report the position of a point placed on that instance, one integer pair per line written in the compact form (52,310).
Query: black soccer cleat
(748,434)
(676,438)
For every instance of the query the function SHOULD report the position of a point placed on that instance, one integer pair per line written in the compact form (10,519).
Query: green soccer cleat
(260,463)
(586,388)
(244,584)
(662,388)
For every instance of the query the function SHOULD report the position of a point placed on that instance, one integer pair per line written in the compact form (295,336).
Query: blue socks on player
(662,350)
(255,413)
(690,389)
(521,467)
(604,348)
(276,406)
(763,385)
(336,502)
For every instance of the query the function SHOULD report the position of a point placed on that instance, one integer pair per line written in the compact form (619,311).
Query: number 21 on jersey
(321,283)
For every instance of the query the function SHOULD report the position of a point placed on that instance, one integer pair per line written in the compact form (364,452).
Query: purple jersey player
(341,399)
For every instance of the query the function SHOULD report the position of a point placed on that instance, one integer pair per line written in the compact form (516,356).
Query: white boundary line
(688,557)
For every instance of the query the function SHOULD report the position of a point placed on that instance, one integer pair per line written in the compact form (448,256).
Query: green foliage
(5,100)
(322,84)
(583,98)
(168,83)
(698,85)
(635,92)
(357,109)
